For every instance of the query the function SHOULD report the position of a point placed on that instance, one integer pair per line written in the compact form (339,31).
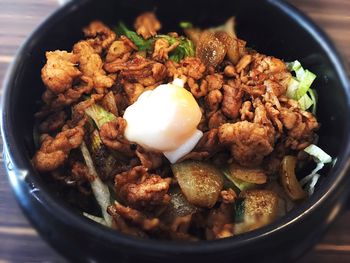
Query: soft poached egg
(165,119)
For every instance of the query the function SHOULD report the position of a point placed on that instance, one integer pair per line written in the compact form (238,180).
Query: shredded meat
(147,25)
(60,71)
(140,189)
(54,151)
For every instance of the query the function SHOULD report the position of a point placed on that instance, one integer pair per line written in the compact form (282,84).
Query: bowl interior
(261,23)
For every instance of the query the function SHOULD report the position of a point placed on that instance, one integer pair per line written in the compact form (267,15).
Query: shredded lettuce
(299,86)
(99,115)
(321,158)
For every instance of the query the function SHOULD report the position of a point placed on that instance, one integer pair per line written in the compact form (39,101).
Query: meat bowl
(241,180)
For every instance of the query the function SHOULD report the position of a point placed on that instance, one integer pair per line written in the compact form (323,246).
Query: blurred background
(19,242)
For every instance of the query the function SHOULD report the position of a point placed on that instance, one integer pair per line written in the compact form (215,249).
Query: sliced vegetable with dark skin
(260,208)
(288,179)
(200,182)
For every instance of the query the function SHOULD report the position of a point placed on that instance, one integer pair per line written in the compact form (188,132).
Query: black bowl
(271,27)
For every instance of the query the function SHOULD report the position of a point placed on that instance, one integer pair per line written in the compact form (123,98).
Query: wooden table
(19,242)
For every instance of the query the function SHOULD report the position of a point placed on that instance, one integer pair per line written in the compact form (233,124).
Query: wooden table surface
(19,242)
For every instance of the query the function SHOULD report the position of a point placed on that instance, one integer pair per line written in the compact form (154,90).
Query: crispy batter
(54,151)
(147,25)
(60,71)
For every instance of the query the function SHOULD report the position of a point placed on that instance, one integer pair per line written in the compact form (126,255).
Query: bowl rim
(60,211)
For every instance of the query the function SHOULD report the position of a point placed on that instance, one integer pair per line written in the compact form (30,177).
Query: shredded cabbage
(299,86)
(321,158)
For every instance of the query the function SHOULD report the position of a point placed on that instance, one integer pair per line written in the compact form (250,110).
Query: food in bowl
(177,137)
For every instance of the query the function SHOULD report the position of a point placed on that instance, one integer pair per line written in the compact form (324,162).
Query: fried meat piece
(220,222)
(100,37)
(90,64)
(54,151)
(53,122)
(149,159)
(70,96)
(147,25)
(249,142)
(60,71)
(119,49)
(133,216)
(162,49)
(140,189)
(138,70)
(112,135)
(232,100)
